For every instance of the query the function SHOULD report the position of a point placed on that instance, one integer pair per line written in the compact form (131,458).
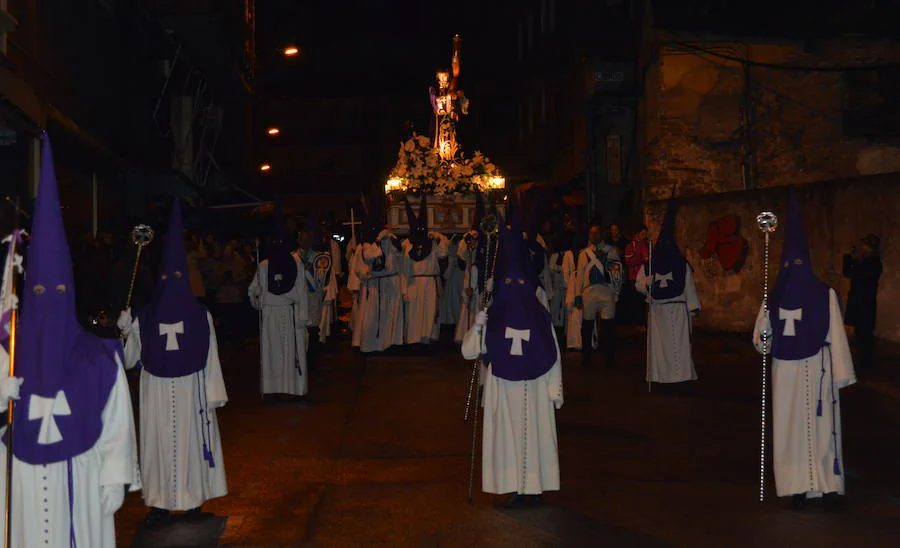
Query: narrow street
(382,460)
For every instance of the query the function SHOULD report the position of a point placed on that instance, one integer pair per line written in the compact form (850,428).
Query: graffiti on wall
(725,243)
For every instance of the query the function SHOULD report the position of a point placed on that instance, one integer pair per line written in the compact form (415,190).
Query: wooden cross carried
(353,222)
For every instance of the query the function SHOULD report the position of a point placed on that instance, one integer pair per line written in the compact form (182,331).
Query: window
(521,37)
(530,115)
(530,29)
(544,103)
(521,113)
(543,17)
(871,108)
(551,15)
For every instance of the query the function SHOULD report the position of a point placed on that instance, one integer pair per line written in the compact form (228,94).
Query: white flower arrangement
(420,170)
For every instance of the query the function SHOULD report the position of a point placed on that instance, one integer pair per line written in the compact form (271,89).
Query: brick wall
(695,139)
(837,214)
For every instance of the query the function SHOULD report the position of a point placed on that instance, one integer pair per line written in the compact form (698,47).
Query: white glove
(481,318)
(125,322)
(112,497)
(9,388)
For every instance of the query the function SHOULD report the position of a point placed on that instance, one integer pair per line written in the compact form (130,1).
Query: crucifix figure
(448,103)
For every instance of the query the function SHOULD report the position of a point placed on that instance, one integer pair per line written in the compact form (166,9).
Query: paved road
(382,460)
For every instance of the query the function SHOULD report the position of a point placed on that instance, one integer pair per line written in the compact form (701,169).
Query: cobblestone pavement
(382,459)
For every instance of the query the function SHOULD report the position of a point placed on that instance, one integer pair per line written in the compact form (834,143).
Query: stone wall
(837,214)
(695,135)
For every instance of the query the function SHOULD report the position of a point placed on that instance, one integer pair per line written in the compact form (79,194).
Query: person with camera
(862,265)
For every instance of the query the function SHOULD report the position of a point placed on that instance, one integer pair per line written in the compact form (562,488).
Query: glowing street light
(265,167)
(291,51)
(273,131)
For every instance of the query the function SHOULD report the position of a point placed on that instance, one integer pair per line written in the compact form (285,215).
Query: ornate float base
(446,214)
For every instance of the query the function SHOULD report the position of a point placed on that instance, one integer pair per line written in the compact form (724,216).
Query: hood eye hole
(60,289)
(521,281)
(508,281)
(164,277)
(39,289)
(177,273)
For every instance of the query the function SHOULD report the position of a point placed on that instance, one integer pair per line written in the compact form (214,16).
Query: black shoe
(515,501)
(156,515)
(798,502)
(534,500)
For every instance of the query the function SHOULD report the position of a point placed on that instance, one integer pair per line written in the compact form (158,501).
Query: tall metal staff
(490,226)
(141,237)
(9,308)
(767,222)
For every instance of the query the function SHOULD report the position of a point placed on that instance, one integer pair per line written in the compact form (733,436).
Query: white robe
(40,494)
(470,298)
(321,300)
(381,300)
(422,292)
(558,294)
(283,336)
(669,357)
(175,476)
(358,271)
(803,445)
(574,316)
(519,446)
(454,277)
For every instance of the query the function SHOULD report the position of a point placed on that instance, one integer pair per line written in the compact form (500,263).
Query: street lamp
(273,131)
(291,51)
(265,167)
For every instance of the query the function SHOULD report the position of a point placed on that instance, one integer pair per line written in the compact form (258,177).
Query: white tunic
(519,447)
(40,513)
(358,271)
(175,475)
(422,293)
(381,299)
(669,357)
(470,298)
(806,445)
(558,295)
(454,277)
(283,336)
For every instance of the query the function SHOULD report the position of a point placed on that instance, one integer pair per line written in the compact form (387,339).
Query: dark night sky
(395,44)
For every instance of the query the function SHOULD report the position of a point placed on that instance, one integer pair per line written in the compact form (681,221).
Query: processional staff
(141,237)
(767,222)
(9,303)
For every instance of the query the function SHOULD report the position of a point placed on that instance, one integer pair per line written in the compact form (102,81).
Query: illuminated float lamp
(394,183)
(265,168)
(291,51)
(496,183)
(273,131)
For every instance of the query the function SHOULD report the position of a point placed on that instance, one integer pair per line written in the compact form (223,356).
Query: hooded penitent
(68,373)
(418,231)
(519,334)
(174,326)
(282,269)
(669,265)
(799,301)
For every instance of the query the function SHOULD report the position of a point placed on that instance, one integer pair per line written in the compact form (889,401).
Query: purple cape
(667,260)
(282,269)
(799,303)
(68,373)
(519,334)
(174,326)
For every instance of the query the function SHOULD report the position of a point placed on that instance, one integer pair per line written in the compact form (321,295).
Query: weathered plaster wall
(837,215)
(695,139)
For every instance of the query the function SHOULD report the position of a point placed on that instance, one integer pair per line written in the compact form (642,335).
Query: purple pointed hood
(68,373)
(282,268)
(519,333)
(174,326)
(798,304)
(669,264)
